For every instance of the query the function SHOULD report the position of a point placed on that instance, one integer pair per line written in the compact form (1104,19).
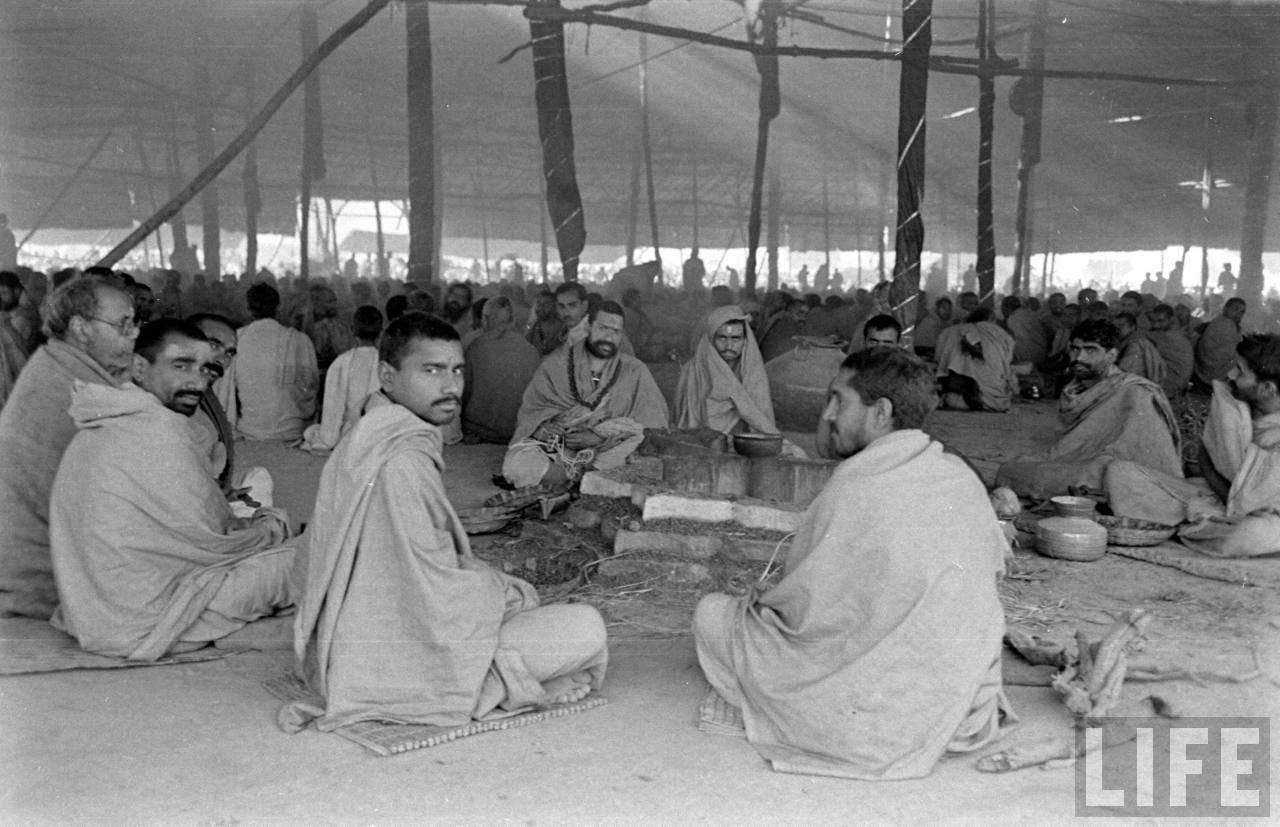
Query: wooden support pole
(210,222)
(380,270)
(178,226)
(770,106)
(696,245)
(826,227)
(1263,115)
(986,264)
(304,227)
(646,145)
(249,183)
(1028,102)
(633,207)
(151,192)
(484,221)
(242,140)
(555,130)
(773,237)
(913,89)
(423,256)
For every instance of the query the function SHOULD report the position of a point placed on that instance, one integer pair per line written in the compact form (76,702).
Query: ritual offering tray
(1129,531)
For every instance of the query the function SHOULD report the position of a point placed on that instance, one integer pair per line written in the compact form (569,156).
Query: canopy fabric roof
(111,83)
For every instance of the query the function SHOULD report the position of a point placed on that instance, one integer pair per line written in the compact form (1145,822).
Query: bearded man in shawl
(397,620)
(586,407)
(975,364)
(573,310)
(724,385)
(1104,414)
(879,649)
(90,324)
(147,554)
(1231,511)
(1136,353)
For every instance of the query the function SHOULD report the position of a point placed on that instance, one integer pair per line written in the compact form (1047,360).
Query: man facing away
(1104,414)
(500,364)
(397,620)
(349,382)
(586,407)
(879,649)
(90,324)
(975,364)
(1231,512)
(1216,347)
(148,557)
(724,386)
(276,376)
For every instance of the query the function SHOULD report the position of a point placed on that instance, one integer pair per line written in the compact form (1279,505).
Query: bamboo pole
(423,256)
(646,145)
(1263,57)
(770,105)
(1032,115)
(772,238)
(633,206)
(209,214)
(380,270)
(249,183)
(917,39)
(242,140)
(986,264)
(151,192)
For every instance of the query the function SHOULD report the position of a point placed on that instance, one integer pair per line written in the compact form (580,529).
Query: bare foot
(567,689)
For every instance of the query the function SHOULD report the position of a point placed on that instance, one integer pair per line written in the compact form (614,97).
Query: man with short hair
(1104,414)
(213,429)
(779,337)
(1174,347)
(1031,338)
(572,307)
(397,619)
(878,651)
(500,364)
(586,407)
(925,340)
(975,364)
(149,559)
(457,307)
(881,331)
(275,376)
(1231,511)
(1138,354)
(1216,347)
(90,324)
(349,382)
(724,386)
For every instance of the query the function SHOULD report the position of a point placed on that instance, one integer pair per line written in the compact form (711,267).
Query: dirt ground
(198,744)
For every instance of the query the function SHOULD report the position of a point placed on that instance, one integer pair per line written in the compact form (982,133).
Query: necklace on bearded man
(573,385)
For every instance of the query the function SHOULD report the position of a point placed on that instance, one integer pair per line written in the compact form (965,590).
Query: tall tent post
(772,236)
(986,264)
(1206,196)
(178,226)
(304,226)
(249,182)
(1263,58)
(209,220)
(917,40)
(646,145)
(694,159)
(633,206)
(765,25)
(246,135)
(542,232)
(484,222)
(883,174)
(826,226)
(332,217)
(151,192)
(1027,100)
(423,255)
(555,130)
(381,269)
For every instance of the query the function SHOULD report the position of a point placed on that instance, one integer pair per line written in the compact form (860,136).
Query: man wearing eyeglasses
(89,321)
(149,558)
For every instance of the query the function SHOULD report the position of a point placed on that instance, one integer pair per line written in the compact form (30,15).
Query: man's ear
(884,411)
(138,369)
(385,372)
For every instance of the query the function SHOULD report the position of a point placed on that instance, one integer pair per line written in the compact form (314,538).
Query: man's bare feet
(567,689)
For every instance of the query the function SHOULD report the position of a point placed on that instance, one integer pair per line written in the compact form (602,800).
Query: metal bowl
(758,445)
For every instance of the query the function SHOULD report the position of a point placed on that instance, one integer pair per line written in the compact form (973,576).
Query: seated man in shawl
(350,380)
(572,308)
(148,557)
(1136,353)
(1175,348)
(1031,338)
(878,651)
(925,341)
(1216,347)
(1104,414)
(276,377)
(90,324)
(975,364)
(500,364)
(397,620)
(724,385)
(586,407)
(1231,511)
(780,332)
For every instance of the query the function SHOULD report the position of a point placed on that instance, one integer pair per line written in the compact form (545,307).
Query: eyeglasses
(124,327)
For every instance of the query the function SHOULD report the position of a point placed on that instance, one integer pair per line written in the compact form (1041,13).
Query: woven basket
(485,520)
(1128,531)
(1071,538)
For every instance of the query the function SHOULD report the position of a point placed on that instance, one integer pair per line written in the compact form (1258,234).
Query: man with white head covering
(724,385)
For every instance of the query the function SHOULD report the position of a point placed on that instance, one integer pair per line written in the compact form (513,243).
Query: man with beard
(90,323)
(1104,414)
(724,385)
(148,557)
(879,649)
(397,619)
(13,355)
(1231,511)
(586,407)
(457,307)
(572,309)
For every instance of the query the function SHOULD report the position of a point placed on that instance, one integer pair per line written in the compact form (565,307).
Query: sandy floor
(198,744)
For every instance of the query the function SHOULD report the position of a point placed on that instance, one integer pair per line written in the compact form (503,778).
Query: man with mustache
(1104,414)
(148,556)
(1230,512)
(724,386)
(213,428)
(586,407)
(397,620)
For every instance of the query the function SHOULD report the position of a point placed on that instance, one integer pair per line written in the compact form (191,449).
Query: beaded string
(573,385)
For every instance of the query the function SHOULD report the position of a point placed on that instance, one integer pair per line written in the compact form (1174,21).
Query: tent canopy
(109,86)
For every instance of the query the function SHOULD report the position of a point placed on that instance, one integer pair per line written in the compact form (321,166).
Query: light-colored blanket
(713,395)
(1140,356)
(275,379)
(350,380)
(879,650)
(397,620)
(141,536)
(958,351)
(34,431)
